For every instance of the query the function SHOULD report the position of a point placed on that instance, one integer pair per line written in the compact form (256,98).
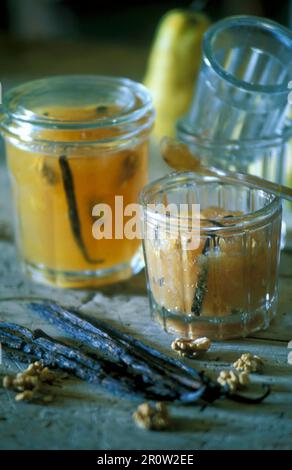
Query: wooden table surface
(84,416)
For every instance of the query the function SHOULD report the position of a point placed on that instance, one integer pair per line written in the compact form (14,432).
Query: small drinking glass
(226,284)
(242,87)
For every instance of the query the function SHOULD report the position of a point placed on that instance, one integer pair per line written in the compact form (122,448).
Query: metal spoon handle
(252,181)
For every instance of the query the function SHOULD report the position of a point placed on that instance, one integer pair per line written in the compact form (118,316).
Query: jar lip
(175,179)
(135,104)
(245,20)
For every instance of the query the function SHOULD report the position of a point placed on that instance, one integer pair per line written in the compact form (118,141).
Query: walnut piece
(248,363)
(233,380)
(26,395)
(152,417)
(47,376)
(30,383)
(190,347)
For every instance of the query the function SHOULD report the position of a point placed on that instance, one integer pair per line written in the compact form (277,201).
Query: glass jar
(226,285)
(73,142)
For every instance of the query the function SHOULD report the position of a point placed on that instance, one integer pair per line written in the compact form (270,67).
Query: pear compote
(72,143)
(226,284)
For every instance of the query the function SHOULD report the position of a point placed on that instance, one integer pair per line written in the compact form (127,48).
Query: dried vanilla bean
(68,183)
(202,283)
(120,348)
(114,377)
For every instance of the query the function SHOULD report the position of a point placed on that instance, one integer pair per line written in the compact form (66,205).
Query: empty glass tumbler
(239,118)
(242,88)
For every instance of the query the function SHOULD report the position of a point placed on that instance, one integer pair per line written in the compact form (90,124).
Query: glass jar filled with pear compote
(211,272)
(73,143)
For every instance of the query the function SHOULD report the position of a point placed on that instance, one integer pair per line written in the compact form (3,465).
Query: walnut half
(152,417)
(233,380)
(190,347)
(31,383)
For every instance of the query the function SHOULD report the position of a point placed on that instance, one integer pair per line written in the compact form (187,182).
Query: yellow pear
(173,66)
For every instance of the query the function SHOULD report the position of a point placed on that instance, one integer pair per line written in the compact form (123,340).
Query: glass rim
(244,20)
(18,121)
(175,179)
